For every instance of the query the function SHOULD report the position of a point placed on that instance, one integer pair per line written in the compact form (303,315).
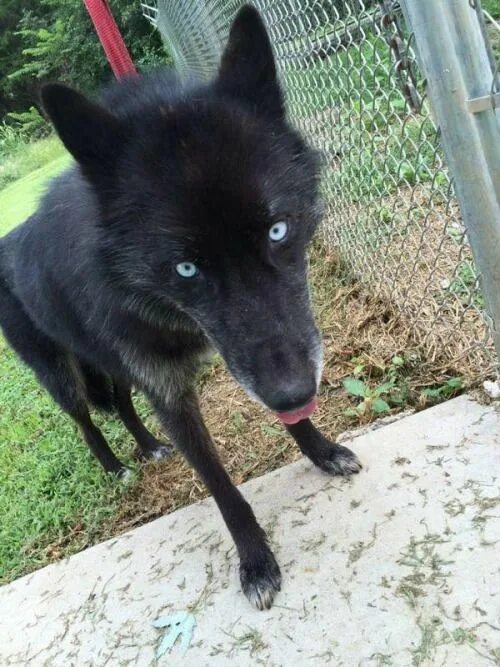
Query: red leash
(110,38)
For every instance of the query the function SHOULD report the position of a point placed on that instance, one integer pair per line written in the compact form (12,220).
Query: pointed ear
(90,133)
(247,70)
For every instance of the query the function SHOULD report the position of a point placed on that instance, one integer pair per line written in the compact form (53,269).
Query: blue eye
(278,231)
(186,269)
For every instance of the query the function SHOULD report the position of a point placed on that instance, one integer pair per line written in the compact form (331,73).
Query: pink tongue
(295,416)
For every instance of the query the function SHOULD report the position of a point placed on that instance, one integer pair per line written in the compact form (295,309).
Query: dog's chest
(162,361)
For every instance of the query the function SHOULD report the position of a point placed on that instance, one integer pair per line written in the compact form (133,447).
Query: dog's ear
(247,70)
(90,133)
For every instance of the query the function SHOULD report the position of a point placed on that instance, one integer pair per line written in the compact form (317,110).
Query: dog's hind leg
(330,457)
(149,446)
(93,437)
(259,572)
(57,371)
(59,376)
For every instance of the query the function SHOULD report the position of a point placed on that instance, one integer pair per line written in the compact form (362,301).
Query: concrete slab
(398,567)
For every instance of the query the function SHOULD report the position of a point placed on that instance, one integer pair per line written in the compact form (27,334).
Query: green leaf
(455,383)
(379,406)
(398,361)
(351,412)
(355,387)
(432,393)
(383,388)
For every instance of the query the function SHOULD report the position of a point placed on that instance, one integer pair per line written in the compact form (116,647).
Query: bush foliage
(44,40)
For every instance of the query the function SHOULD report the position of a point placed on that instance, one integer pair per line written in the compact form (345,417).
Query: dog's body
(183,228)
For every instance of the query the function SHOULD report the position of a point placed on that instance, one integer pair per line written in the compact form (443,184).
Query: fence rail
(355,89)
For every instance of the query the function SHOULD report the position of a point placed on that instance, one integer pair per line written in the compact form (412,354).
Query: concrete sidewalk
(398,566)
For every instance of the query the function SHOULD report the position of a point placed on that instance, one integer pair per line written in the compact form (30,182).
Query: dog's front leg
(259,573)
(330,457)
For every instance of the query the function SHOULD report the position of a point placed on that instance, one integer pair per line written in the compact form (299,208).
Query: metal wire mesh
(354,89)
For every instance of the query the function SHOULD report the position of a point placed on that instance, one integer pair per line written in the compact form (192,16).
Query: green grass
(55,497)
(51,485)
(19,158)
(353,99)
(25,170)
(19,199)
(493,7)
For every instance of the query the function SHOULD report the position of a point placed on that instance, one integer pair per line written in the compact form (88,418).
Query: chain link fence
(355,91)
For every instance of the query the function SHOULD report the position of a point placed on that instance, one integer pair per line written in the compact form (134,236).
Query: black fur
(90,296)
(98,388)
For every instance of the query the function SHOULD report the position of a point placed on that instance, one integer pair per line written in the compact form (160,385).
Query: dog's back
(41,257)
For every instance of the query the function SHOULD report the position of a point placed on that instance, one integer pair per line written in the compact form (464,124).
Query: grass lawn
(18,200)
(19,157)
(51,487)
(55,498)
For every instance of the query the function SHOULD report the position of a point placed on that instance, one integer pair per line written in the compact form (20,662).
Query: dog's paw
(157,451)
(339,460)
(261,580)
(125,475)
(161,452)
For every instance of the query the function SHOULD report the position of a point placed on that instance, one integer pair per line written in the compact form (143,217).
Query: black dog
(182,229)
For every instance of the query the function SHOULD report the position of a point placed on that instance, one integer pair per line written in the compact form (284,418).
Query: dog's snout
(284,372)
(291,396)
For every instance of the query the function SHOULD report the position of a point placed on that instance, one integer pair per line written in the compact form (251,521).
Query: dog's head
(209,200)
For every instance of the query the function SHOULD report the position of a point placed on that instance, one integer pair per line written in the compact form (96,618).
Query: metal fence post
(454,58)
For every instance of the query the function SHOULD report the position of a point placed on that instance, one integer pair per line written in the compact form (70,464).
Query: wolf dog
(181,229)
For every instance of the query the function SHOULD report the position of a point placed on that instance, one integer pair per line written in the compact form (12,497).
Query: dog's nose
(292,396)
